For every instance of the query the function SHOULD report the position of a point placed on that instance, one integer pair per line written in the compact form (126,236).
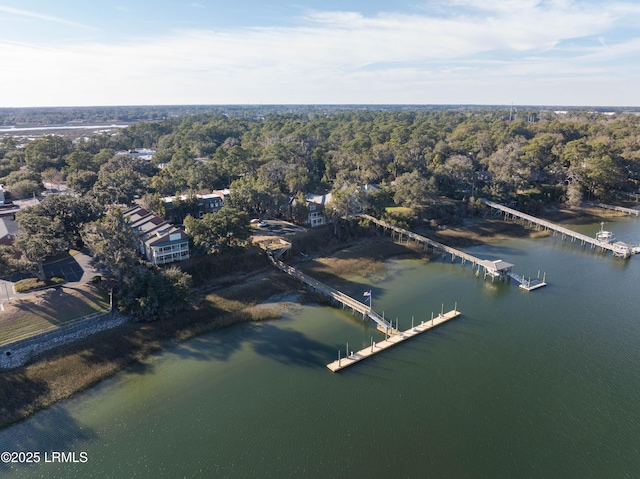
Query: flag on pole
(367,294)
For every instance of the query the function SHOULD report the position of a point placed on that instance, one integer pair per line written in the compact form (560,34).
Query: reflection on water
(540,384)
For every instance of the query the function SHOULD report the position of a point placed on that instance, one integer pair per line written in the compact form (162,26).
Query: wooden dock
(622,209)
(619,248)
(335,295)
(494,269)
(375,348)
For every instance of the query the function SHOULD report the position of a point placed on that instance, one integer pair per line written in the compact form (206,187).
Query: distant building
(209,203)
(160,242)
(142,153)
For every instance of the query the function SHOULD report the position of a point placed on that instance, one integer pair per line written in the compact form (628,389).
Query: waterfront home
(160,242)
(316,205)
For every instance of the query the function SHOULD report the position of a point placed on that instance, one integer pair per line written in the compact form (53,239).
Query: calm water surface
(542,384)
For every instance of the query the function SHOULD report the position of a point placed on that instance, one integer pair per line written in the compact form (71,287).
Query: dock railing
(332,293)
(620,250)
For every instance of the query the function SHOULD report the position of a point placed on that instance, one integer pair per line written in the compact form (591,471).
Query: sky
(170,52)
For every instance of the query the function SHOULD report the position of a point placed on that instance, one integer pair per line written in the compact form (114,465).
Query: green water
(542,384)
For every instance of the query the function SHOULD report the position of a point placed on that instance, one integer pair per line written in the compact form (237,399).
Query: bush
(96,279)
(31,284)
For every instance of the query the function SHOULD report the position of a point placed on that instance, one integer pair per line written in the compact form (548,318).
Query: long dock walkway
(629,211)
(491,268)
(334,294)
(619,249)
(428,242)
(375,348)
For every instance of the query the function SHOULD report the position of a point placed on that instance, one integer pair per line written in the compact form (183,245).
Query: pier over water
(335,295)
(619,248)
(495,269)
(375,348)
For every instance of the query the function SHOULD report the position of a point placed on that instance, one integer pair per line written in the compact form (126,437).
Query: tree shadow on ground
(56,306)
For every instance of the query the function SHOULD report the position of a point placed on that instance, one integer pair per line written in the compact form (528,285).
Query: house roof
(135,214)
(497,265)
(164,237)
(146,221)
(8,228)
(319,199)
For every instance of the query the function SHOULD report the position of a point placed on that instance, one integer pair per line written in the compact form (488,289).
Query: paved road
(75,269)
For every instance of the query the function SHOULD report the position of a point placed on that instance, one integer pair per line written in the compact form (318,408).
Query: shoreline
(72,369)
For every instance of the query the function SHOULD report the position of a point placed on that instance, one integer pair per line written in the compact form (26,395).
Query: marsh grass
(63,372)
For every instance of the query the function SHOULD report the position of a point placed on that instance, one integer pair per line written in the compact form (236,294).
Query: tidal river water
(543,384)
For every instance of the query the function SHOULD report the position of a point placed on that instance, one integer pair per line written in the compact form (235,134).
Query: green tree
(82,181)
(300,210)
(39,237)
(46,152)
(412,190)
(149,293)
(112,242)
(603,176)
(343,204)
(8,263)
(79,160)
(122,179)
(23,175)
(574,194)
(73,212)
(220,231)
(25,189)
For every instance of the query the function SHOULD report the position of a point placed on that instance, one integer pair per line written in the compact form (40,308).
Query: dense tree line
(420,158)
(416,155)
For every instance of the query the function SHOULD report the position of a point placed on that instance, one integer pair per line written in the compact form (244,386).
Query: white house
(316,205)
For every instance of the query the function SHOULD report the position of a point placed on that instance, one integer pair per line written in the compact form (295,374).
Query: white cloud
(344,57)
(39,16)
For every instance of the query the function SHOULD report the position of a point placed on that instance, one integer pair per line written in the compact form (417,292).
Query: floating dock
(375,348)
(529,284)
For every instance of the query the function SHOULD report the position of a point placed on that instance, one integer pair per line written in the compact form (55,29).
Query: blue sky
(533,52)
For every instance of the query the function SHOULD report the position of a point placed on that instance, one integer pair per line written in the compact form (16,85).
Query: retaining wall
(17,353)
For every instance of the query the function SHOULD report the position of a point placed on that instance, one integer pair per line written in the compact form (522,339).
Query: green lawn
(401,210)
(30,316)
